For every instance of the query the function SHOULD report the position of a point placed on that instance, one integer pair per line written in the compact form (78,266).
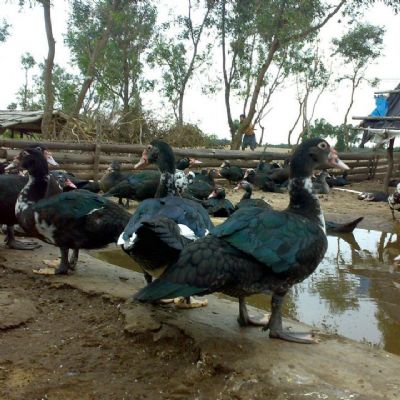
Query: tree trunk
(48,73)
(389,167)
(94,57)
(237,138)
(227,81)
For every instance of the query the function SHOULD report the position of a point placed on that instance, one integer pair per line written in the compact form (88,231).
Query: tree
(358,48)
(179,59)
(89,28)
(4,30)
(27,62)
(277,25)
(312,79)
(48,71)
(119,75)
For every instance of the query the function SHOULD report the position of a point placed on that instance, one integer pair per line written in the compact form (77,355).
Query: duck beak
(70,184)
(237,187)
(143,161)
(335,162)
(49,158)
(212,194)
(14,164)
(194,161)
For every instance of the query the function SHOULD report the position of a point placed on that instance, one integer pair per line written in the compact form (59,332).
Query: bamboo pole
(373,118)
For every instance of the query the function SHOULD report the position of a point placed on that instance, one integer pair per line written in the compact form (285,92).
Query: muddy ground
(81,337)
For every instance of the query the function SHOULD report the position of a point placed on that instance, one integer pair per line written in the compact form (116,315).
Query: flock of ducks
(170,234)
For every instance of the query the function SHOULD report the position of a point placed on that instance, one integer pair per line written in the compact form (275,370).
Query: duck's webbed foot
(245,320)
(54,267)
(12,243)
(275,325)
(189,302)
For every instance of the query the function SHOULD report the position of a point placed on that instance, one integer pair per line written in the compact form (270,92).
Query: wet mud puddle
(355,292)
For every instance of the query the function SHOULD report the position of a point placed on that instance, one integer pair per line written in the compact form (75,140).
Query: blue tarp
(381,106)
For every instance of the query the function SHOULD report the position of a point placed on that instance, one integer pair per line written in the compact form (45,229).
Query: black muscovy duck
(320,185)
(186,162)
(394,200)
(338,180)
(258,250)
(91,186)
(202,185)
(230,172)
(138,186)
(112,176)
(373,196)
(263,181)
(246,200)
(161,227)
(10,187)
(74,220)
(217,204)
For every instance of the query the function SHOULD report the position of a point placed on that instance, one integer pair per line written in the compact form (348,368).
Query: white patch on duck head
(187,232)
(45,229)
(127,244)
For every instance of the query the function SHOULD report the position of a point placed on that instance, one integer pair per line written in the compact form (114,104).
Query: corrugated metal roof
(10,118)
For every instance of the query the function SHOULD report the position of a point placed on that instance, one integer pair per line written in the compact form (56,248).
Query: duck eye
(323,145)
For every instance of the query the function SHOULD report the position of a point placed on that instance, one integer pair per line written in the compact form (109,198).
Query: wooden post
(389,167)
(97,151)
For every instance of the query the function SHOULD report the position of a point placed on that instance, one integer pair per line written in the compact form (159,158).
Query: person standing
(249,137)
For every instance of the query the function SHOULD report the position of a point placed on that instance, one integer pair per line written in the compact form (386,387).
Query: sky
(28,35)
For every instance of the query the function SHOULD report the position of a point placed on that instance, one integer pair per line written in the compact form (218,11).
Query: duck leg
(62,268)
(74,259)
(275,325)
(244,319)
(12,243)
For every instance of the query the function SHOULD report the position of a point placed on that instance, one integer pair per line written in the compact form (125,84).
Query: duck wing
(251,247)
(279,240)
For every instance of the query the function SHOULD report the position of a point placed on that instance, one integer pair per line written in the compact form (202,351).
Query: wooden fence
(90,160)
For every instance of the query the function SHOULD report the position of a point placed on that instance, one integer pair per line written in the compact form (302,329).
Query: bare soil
(58,342)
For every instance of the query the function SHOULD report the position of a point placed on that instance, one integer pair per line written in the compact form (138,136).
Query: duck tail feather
(164,229)
(163,289)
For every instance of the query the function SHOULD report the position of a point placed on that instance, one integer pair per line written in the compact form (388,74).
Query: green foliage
(324,129)
(360,45)
(180,56)
(4,30)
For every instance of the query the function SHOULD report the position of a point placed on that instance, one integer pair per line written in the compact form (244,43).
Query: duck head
(218,193)
(315,153)
(225,164)
(34,161)
(16,162)
(114,167)
(160,153)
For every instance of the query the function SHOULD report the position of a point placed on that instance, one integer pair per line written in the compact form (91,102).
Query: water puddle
(355,291)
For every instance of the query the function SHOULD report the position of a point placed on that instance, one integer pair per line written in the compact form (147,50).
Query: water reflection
(353,292)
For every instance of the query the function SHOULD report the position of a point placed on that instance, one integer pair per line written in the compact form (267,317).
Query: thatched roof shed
(28,121)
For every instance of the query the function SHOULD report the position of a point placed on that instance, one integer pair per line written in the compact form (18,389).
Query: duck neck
(35,190)
(247,193)
(166,187)
(303,201)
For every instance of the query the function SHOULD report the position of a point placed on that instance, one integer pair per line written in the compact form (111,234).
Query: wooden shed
(29,122)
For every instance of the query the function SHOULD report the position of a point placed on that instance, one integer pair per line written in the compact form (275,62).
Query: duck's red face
(144,160)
